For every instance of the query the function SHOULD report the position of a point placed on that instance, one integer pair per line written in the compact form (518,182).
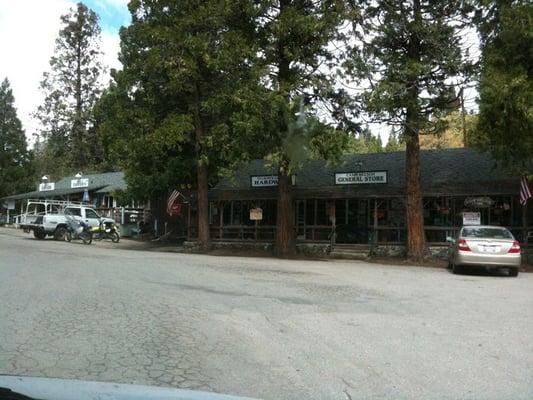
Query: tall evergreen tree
(394,144)
(293,38)
(172,110)
(505,125)
(16,173)
(71,88)
(410,51)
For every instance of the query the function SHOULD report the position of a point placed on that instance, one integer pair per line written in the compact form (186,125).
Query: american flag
(171,199)
(525,191)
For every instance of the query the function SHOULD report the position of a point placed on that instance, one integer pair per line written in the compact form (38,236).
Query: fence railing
(435,235)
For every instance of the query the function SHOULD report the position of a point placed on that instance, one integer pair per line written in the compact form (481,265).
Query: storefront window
(322,217)
(437,211)
(226,213)
(310,212)
(340,212)
(501,213)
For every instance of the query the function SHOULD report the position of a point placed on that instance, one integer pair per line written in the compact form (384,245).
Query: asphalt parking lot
(260,327)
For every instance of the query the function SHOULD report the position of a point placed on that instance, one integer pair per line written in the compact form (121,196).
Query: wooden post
(189,221)
(375,235)
(221,220)
(524,224)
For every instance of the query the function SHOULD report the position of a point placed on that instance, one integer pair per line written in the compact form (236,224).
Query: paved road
(262,327)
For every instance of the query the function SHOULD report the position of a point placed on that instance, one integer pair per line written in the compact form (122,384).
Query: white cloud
(28,29)
(110,46)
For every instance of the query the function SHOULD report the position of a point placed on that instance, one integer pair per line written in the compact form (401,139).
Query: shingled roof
(100,183)
(459,171)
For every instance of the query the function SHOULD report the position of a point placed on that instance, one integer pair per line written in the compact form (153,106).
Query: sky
(28,30)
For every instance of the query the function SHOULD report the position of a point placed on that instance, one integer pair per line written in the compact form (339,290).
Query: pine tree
(505,125)
(16,171)
(410,51)
(293,39)
(71,88)
(174,114)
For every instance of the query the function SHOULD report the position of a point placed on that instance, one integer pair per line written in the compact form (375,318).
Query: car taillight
(515,248)
(461,245)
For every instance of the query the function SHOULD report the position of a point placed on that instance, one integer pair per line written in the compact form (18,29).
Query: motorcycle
(77,229)
(106,230)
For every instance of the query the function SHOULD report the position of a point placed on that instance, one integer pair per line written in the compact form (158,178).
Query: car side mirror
(450,239)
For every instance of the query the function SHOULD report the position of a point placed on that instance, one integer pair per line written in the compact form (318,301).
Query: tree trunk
(285,235)
(203,208)
(79,148)
(285,217)
(201,177)
(416,242)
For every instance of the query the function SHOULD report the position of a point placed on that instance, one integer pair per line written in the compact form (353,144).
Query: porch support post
(221,220)
(375,235)
(524,224)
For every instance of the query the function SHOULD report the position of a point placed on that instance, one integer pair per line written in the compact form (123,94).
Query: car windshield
(487,233)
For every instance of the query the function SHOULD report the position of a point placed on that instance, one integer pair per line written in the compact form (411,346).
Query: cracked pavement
(264,328)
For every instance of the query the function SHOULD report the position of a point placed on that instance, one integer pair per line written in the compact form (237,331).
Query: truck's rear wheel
(39,234)
(60,234)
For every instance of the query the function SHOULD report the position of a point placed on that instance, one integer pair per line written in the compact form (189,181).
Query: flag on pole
(171,199)
(525,191)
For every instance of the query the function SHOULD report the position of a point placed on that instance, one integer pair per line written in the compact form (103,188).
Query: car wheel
(60,234)
(39,234)
(513,271)
(456,269)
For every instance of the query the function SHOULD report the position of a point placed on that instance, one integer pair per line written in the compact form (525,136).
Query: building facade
(361,199)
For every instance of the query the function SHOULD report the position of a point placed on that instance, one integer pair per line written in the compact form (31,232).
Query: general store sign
(264,180)
(43,187)
(79,183)
(471,218)
(362,177)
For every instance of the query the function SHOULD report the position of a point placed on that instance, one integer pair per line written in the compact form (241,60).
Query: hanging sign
(43,187)
(264,180)
(256,214)
(471,218)
(362,177)
(79,183)
(479,202)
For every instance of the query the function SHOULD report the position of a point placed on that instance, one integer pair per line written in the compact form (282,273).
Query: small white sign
(256,214)
(79,183)
(264,180)
(471,218)
(9,204)
(358,178)
(43,187)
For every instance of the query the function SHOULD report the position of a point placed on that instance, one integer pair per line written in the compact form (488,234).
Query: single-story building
(96,190)
(361,199)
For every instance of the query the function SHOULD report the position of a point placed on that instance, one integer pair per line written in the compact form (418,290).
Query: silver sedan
(492,247)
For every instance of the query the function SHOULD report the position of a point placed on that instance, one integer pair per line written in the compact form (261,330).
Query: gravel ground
(260,327)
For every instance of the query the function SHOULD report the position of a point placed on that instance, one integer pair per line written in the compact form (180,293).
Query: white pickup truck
(49,218)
